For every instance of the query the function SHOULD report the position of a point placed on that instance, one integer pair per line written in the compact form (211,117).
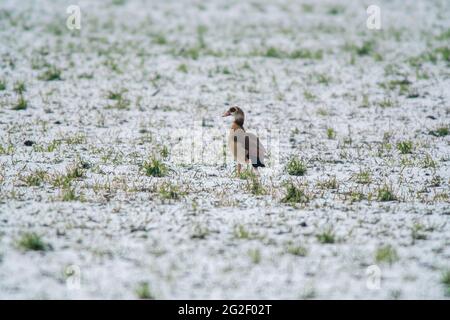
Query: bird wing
(250,145)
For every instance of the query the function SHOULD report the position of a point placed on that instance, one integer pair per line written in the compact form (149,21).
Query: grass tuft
(385,193)
(31,241)
(164,152)
(273,52)
(429,162)
(21,104)
(402,86)
(183,68)
(52,146)
(331,134)
(200,232)
(246,174)
(327,236)
(116,95)
(168,191)
(329,183)
(79,138)
(386,103)
(307,54)
(299,251)
(143,291)
(363,177)
(254,185)
(405,147)
(240,232)
(386,254)
(418,232)
(64,180)
(6,150)
(34,179)
(295,194)
(439,132)
(155,168)
(255,255)
(445,280)
(121,102)
(160,39)
(51,74)
(296,167)
(68,193)
(19,87)
(366,48)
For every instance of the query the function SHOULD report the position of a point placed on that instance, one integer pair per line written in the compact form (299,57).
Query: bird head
(237,113)
(233,111)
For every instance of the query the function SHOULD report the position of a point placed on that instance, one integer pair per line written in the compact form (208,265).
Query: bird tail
(258,164)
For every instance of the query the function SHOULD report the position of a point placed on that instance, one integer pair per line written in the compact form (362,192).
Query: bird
(245,147)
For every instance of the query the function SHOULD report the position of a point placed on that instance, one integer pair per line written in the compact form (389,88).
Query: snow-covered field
(83,213)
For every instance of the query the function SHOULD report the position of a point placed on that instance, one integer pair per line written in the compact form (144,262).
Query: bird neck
(237,125)
(239,120)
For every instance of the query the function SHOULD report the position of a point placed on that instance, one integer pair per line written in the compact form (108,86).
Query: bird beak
(226,114)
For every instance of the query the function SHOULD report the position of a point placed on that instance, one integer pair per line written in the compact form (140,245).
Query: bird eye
(232,110)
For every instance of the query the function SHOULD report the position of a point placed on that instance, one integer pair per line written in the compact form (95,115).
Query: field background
(113,178)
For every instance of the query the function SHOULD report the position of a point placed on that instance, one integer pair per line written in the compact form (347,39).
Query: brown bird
(244,146)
